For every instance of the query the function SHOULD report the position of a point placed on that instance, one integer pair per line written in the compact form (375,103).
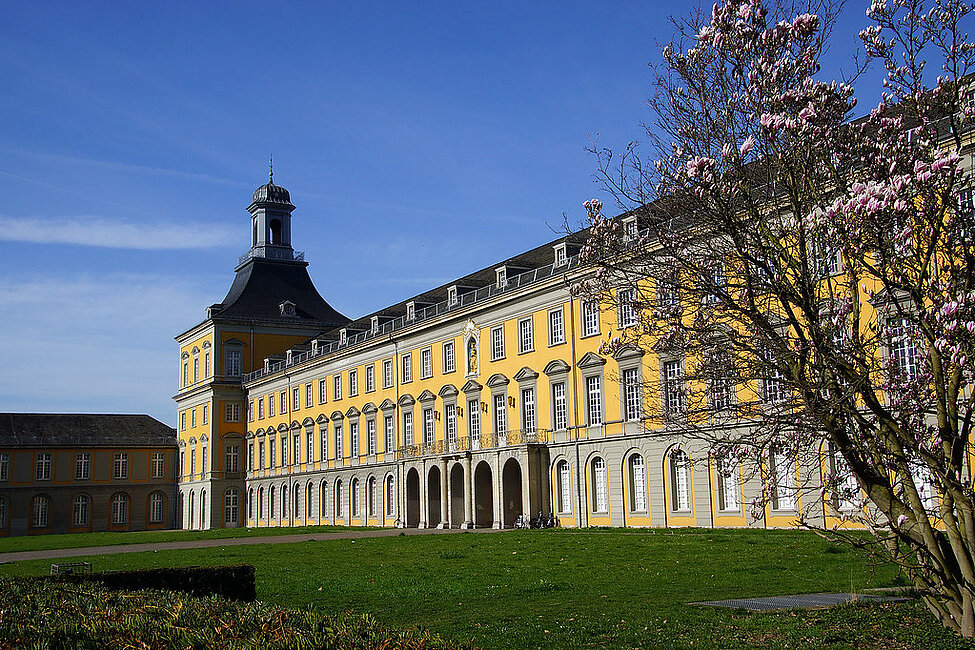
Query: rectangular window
(322,391)
(668,297)
(309,447)
(323,432)
(158,464)
(632,394)
(674,387)
(775,389)
(121,466)
(353,383)
(408,429)
(426,363)
(337,387)
(528,420)
(561,255)
(497,343)
(272,450)
(295,398)
(308,395)
(502,277)
(448,356)
(196,369)
(387,373)
(407,360)
(296,449)
(4,466)
(205,467)
(526,336)
(590,317)
(354,447)
(627,311)
(260,409)
(594,400)
(231,461)
(371,437)
(206,413)
(388,428)
(182,421)
(338,441)
(284,451)
(727,485)
(270,405)
(206,364)
(82,466)
(451,296)
(260,454)
(428,426)
(193,461)
(231,411)
(250,411)
(560,414)
(556,327)
(186,373)
(233,362)
(250,457)
(783,487)
(903,347)
(474,419)
(192,417)
(283,399)
(500,414)
(370,378)
(450,422)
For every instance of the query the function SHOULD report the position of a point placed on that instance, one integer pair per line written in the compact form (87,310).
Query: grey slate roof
(83,430)
(261,285)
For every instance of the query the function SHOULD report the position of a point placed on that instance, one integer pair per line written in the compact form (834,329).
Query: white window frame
(600,491)
(426,363)
(637,470)
(594,400)
(497,343)
(406,364)
(120,466)
(82,466)
(448,356)
(556,326)
(337,386)
(626,311)
(589,312)
(353,382)
(387,373)
(526,335)
(389,432)
(370,378)
(560,407)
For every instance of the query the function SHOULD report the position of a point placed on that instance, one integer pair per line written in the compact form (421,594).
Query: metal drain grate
(803,601)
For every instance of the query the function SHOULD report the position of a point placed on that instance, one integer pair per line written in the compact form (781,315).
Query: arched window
(638,483)
(250,503)
(323,499)
(390,497)
(203,508)
(284,501)
(338,498)
(354,495)
(275,234)
(728,478)
(41,512)
(157,508)
(296,497)
(3,513)
(308,501)
(191,522)
(680,481)
(782,473)
(231,506)
(600,500)
(120,508)
(270,510)
(565,487)
(81,511)
(371,497)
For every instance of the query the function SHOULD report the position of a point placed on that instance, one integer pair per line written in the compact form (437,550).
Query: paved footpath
(229,541)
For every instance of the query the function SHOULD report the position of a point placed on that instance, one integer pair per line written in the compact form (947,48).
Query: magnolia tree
(810,276)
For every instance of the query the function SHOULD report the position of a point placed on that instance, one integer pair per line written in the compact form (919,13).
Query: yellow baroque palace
(480,403)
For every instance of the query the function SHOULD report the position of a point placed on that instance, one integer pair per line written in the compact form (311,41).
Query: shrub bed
(235,582)
(57,615)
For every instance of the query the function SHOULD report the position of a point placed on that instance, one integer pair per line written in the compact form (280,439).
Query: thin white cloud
(112,233)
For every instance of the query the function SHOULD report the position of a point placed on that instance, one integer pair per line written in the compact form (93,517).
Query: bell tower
(271,222)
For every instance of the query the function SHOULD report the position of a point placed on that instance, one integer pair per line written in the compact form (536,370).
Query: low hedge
(48,614)
(235,582)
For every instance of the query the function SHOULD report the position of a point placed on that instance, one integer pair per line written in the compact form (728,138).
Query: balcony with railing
(484,441)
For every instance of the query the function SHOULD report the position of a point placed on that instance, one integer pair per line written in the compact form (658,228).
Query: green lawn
(79,540)
(595,588)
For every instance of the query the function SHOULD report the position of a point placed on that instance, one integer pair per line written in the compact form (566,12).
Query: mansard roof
(83,430)
(262,285)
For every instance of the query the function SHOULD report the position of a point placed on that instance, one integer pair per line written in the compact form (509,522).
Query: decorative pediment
(250,435)
(195,350)
(185,355)
(337,416)
(322,419)
(471,387)
(353,412)
(204,438)
(193,440)
(406,400)
(206,345)
(233,435)
(259,433)
(282,427)
(234,342)
(295,425)
(556,367)
(497,380)
(526,374)
(426,396)
(628,352)
(387,405)
(182,443)
(307,422)
(591,360)
(448,391)
(368,408)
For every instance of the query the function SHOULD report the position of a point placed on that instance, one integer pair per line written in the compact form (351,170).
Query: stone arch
(483,495)
(511,488)
(412,498)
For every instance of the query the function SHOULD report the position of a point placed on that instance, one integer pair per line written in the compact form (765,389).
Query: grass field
(589,588)
(78,540)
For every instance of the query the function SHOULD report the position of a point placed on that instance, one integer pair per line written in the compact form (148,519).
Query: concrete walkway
(56,553)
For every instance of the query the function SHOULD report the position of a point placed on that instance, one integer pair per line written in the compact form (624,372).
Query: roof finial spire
(270,165)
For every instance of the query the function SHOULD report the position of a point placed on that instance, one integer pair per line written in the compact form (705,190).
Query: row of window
(231,459)
(44,465)
(231,413)
(276,504)
(81,510)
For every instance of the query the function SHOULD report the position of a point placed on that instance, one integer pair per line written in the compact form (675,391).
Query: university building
(469,405)
(66,473)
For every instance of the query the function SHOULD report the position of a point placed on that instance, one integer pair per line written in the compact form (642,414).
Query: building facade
(470,405)
(65,473)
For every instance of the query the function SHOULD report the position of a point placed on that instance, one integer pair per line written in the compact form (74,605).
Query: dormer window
(343,336)
(374,325)
(314,347)
(410,310)
(630,227)
(502,277)
(451,296)
(561,255)
(287,308)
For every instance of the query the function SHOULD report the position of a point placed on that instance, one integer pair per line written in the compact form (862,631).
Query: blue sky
(420,142)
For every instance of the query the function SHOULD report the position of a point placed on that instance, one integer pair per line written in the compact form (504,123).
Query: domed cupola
(270,211)
(271,193)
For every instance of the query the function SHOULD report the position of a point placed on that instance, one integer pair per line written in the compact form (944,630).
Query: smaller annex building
(65,473)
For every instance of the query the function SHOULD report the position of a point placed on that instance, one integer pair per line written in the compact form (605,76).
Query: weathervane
(270,166)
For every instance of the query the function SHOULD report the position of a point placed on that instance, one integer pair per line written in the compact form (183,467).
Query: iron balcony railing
(484,441)
(273,254)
